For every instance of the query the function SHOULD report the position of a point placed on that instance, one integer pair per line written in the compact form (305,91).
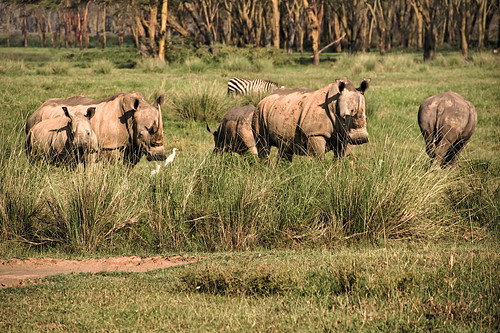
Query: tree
(276,24)
(315,15)
(163,30)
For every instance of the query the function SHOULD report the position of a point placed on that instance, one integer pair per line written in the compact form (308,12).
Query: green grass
(395,288)
(373,242)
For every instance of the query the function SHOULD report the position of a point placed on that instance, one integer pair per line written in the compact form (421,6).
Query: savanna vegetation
(375,241)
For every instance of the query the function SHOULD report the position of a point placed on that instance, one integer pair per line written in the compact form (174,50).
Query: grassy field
(371,242)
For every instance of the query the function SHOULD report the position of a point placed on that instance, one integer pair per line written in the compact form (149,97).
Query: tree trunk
(153,13)
(25,26)
(314,26)
(276,24)
(482,23)
(420,26)
(429,43)
(50,30)
(163,30)
(464,47)
(85,24)
(78,31)
(104,27)
(7,26)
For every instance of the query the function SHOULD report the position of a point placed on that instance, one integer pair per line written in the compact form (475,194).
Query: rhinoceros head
(83,138)
(348,105)
(81,131)
(147,125)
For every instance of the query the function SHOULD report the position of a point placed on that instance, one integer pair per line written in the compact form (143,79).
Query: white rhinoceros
(447,122)
(312,122)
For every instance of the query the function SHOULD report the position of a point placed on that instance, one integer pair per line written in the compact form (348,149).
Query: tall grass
(212,202)
(204,102)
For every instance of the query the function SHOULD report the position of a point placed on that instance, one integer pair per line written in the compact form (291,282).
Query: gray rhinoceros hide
(126,125)
(447,122)
(235,133)
(312,122)
(68,139)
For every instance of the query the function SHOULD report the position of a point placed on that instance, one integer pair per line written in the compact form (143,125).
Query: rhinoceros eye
(153,129)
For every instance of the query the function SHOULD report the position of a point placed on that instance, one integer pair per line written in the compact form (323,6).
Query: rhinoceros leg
(285,151)
(430,145)
(444,151)
(316,146)
(454,151)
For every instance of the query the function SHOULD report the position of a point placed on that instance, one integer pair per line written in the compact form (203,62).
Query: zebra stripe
(238,85)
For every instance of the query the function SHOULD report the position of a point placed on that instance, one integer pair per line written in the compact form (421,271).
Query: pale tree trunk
(25,26)
(276,24)
(104,27)
(79,30)
(50,30)
(314,26)
(163,30)
(85,24)
(337,30)
(228,6)
(153,13)
(300,44)
(7,26)
(420,25)
(482,23)
(464,47)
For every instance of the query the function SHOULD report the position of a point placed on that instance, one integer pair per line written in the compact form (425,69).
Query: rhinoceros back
(289,113)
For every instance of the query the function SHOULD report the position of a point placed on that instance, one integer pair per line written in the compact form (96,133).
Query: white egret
(171,157)
(156,170)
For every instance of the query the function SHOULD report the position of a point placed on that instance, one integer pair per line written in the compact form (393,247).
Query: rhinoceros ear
(90,112)
(364,85)
(66,112)
(160,100)
(130,103)
(340,85)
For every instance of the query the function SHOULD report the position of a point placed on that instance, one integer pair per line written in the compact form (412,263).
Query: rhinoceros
(67,139)
(126,125)
(447,122)
(312,122)
(235,133)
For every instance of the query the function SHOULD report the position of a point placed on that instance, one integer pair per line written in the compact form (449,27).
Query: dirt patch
(22,272)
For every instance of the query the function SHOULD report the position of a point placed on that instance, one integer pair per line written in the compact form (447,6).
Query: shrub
(54,68)
(205,102)
(151,65)
(237,63)
(13,67)
(102,67)
(194,64)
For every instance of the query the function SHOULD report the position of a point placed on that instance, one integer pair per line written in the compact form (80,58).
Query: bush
(205,102)
(102,67)
(152,65)
(54,68)
(196,65)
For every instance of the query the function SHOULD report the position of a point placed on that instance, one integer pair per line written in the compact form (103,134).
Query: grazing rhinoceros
(312,122)
(67,139)
(235,133)
(447,122)
(126,125)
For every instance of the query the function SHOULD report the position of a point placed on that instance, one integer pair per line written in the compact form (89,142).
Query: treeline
(351,25)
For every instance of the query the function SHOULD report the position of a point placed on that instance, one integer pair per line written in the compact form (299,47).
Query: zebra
(241,86)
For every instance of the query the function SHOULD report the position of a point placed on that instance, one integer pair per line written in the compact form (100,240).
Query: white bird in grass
(156,170)
(171,157)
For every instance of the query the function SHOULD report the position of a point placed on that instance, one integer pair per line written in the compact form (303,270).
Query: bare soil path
(21,272)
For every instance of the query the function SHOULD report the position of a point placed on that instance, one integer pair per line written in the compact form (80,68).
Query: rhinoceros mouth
(155,153)
(357,137)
